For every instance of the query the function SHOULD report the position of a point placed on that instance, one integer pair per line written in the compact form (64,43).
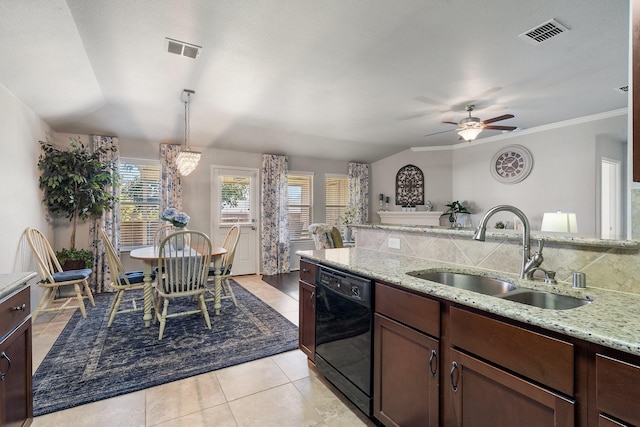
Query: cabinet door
(307,322)
(484,395)
(618,389)
(405,376)
(16,404)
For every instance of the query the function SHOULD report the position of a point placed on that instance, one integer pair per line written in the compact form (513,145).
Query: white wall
(563,176)
(20,131)
(436,167)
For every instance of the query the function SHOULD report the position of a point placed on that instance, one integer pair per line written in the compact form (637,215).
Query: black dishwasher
(344,326)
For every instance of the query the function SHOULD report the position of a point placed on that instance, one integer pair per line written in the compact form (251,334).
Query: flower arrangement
(349,215)
(175,217)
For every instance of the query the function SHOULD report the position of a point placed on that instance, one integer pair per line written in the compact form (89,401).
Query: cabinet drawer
(618,389)
(307,272)
(419,312)
(541,358)
(13,310)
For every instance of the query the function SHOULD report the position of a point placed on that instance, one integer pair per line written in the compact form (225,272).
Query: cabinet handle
(4,374)
(23,307)
(305,270)
(312,298)
(431,367)
(454,368)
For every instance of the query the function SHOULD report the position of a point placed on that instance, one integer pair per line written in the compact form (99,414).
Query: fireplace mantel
(429,218)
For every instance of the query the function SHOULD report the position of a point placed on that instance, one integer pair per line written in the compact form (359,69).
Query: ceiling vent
(182,48)
(544,32)
(622,89)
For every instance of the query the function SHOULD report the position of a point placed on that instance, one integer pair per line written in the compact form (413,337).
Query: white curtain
(275,215)
(170,180)
(110,220)
(359,191)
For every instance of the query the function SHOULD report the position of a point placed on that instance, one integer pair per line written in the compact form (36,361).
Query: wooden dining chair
(163,231)
(184,274)
(122,281)
(52,278)
(230,243)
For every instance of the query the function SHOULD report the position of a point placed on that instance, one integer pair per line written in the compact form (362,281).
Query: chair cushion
(136,277)
(336,237)
(65,276)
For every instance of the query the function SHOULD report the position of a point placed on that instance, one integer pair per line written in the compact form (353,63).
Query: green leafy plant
(72,255)
(76,182)
(454,209)
(349,215)
(500,225)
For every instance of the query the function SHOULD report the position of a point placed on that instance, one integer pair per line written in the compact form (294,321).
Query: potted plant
(453,210)
(75,184)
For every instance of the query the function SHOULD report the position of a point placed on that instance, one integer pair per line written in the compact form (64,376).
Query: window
(139,202)
(235,197)
(337,198)
(300,205)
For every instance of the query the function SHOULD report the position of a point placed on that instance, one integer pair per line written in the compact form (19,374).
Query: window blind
(300,205)
(139,202)
(337,198)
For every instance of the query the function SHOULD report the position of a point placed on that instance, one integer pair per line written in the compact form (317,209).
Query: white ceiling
(350,80)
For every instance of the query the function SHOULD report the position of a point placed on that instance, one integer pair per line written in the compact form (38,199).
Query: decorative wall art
(409,186)
(511,164)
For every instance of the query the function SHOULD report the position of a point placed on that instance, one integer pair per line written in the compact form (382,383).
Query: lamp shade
(469,134)
(559,222)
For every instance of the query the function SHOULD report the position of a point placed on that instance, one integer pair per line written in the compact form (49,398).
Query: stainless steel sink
(543,299)
(470,282)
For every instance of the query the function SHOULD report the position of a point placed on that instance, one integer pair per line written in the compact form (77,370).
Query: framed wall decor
(410,186)
(511,164)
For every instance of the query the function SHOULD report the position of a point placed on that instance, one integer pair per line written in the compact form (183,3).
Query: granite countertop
(612,318)
(11,281)
(559,238)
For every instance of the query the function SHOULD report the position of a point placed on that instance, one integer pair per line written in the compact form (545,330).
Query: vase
(179,242)
(348,234)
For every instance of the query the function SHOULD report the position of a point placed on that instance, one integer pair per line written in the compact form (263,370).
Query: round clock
(511,164)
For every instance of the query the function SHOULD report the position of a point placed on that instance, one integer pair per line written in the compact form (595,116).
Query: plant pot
(74,265)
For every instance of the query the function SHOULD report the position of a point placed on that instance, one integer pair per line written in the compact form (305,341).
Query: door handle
(432,369)
(454,383)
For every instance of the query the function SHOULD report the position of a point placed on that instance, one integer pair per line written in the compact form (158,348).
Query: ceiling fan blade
(451,123)
(430,101)
(437,133)
(417,115)
(497,119)
(501,127)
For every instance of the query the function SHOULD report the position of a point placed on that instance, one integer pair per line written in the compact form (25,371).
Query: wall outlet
(394,243)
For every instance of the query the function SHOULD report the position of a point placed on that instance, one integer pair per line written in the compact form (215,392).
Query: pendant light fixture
(187,160)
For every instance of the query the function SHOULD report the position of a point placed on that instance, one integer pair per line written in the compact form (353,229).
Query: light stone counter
(612,319)
(12,281)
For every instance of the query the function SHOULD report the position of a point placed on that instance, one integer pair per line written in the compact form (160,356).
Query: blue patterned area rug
(90,362)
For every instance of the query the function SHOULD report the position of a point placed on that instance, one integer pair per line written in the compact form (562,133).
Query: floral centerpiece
(175,217)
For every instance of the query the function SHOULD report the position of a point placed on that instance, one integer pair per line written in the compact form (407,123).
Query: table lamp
(559,222)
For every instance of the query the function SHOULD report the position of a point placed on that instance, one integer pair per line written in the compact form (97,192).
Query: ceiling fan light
(469,134)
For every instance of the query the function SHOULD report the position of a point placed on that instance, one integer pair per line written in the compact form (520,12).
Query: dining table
(149,256)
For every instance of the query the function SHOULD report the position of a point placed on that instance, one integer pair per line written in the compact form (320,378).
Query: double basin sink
(501,289)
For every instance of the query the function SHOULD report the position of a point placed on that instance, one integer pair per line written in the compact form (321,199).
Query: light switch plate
(394,243)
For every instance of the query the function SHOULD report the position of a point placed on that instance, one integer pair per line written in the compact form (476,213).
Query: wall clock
(511,164)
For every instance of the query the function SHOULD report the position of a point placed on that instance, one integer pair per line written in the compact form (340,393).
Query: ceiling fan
(470,127)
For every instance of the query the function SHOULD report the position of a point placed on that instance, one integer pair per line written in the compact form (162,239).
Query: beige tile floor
(282,390)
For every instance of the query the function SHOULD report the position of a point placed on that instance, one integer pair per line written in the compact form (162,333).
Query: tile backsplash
(608,268)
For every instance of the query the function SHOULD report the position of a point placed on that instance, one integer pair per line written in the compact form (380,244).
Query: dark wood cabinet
(405,360)
(484,395)
(307,309)
(16,403)
(617,390)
